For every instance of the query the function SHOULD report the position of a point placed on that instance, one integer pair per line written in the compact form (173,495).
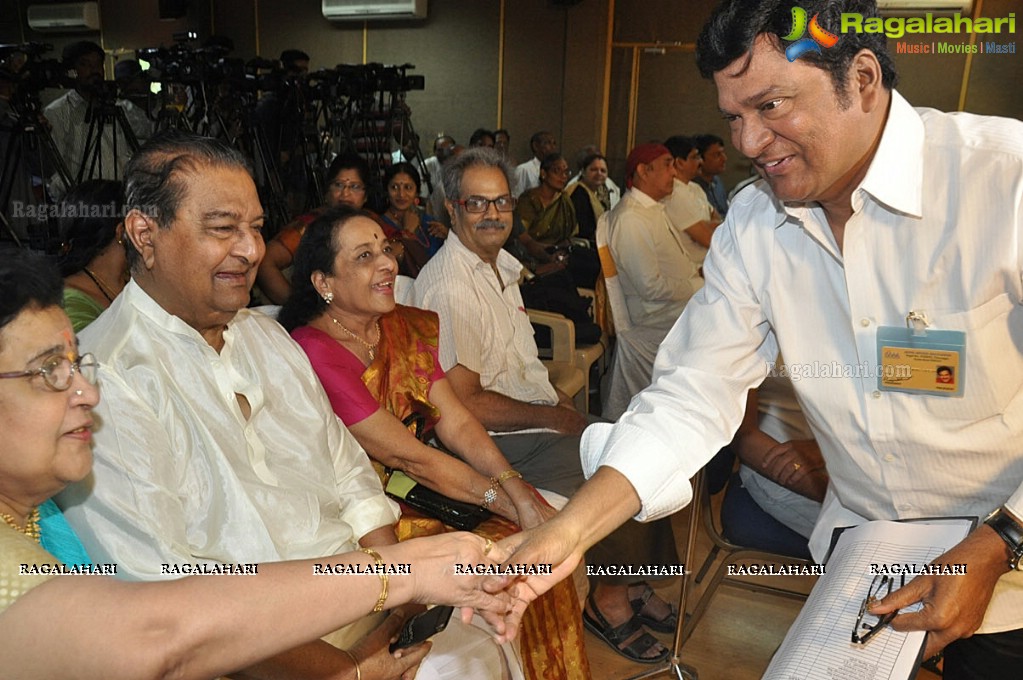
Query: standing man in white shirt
(688,209)
(869,212)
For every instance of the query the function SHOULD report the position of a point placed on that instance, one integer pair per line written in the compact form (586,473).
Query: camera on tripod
(22,64)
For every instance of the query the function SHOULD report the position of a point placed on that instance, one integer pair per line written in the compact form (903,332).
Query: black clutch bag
(458,514)
(463,516)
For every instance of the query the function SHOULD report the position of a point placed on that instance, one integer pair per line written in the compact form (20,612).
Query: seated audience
(712,152)
(482,137)
(487,351)
(92,259)
(420,234)
(379,365)
(91,626)
(502,142)
(214,424)
(656,275)
(548,216)
(688,210)
(347,184)
(589,194)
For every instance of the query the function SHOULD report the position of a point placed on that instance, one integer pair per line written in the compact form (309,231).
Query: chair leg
(707,563)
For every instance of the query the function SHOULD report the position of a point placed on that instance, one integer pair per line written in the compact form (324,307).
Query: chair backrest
(615,294)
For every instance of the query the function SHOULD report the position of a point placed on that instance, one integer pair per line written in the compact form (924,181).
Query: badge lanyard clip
(917,322)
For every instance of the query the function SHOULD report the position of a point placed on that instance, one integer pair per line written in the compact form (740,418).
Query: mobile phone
(422,626)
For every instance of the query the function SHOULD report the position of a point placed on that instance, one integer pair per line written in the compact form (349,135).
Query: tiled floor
(734,640)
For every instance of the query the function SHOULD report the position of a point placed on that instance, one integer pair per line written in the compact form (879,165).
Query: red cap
(644,153)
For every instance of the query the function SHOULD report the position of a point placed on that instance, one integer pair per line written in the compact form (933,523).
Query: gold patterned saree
(551,637)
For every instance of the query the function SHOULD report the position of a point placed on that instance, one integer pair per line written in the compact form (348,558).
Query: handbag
(458,514)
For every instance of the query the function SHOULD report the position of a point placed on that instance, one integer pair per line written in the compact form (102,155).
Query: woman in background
(420,235)
(92,259)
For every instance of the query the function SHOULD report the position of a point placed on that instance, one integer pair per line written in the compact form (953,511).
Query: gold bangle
(358,671)
(506,475)
(382,573)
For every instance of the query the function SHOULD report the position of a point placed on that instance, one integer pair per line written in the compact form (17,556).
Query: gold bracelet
(382,573)
(358,671)
(506,475)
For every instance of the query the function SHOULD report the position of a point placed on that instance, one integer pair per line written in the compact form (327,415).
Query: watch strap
(1010,531)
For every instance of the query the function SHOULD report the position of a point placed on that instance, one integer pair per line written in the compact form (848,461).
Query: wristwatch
(1010,531)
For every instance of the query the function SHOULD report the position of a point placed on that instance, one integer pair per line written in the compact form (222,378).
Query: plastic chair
(765,539)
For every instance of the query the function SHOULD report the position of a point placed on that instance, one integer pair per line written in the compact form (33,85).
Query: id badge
(920,360)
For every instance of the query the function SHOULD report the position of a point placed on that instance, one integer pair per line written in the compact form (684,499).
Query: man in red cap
(656,275)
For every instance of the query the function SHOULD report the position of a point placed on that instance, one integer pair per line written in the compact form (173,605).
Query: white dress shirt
(181,475)
(686,206)
(483,322)
(527,176)
(937,227)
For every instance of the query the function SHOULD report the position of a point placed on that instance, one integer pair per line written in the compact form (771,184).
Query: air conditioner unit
(373,10)
(964,7)
(67,17)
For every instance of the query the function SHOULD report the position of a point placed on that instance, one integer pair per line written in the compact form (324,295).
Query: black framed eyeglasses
(480,204)
(59,370)
(880,587)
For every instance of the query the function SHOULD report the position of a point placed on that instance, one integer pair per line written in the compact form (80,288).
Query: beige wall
(553,70)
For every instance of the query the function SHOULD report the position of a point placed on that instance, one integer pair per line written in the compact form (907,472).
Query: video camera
(23,65)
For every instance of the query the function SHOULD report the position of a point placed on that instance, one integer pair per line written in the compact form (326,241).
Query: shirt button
(889,458)
(876,394)
(864,322)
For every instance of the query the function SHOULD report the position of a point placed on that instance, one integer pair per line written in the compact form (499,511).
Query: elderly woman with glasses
(548,218)
(379,364)
(90,626)
(347,184)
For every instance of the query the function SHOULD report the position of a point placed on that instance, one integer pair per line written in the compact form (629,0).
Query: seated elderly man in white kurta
(217,443)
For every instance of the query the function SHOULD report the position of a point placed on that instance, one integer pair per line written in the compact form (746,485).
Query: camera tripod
(104,115)
(29,150)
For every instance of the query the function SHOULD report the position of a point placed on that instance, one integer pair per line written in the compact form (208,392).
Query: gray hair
(474,157)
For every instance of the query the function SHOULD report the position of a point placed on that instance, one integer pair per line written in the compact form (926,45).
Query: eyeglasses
(479,204)
(880,587)
(354,187)
(59,371)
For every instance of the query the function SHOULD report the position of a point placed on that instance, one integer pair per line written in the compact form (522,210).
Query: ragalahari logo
(817,39)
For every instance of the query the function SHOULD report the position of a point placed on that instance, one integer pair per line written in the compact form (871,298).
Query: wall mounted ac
(920,7)
(373,10)
(67,17)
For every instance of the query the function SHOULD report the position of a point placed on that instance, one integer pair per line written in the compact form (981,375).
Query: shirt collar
(509,267)
(138,298)
(644,199)
(895,176)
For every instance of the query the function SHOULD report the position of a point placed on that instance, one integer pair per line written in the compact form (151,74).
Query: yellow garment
(17,549)
(552,640)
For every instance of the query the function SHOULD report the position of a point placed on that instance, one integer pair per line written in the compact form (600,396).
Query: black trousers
(985,657)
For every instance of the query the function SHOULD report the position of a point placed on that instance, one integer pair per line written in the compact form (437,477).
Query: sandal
(616,636)
(666,624)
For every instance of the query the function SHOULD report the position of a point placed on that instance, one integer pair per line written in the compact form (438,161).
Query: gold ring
(796,466)
(488,547)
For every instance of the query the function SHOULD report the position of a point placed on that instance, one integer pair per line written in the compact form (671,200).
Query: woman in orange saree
(379,365)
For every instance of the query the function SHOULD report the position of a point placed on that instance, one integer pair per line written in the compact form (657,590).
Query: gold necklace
(31,528)
(371,349)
